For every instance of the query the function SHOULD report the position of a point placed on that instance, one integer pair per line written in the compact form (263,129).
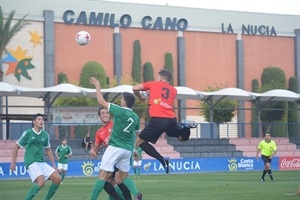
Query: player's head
(104,115)
(64,140)
(267,137)
(165,75)
(127,100)
(38,121)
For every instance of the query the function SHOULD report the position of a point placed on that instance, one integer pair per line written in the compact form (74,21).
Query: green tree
(8,29)
(148,74)
(273,111)
(223,111)
(293,126)
(93,69)
(80,130)
(169,65)
(62,78)
(90,69)
(136,62)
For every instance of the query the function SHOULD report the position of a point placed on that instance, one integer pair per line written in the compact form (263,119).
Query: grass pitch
(198,186)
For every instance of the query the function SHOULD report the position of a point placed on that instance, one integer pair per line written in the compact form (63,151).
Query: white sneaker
(189,124)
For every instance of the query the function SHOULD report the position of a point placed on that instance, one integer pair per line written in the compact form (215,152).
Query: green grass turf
(198,186)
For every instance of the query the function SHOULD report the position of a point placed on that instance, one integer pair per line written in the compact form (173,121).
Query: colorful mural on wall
(18,62)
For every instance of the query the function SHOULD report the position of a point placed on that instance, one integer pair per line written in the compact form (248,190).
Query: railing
(203,130)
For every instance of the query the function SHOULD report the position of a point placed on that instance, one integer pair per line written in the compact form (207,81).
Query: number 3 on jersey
(166,93)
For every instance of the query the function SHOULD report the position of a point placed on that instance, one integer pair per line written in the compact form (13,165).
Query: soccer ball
(83,38)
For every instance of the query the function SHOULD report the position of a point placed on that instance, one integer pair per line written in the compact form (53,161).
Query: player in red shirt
(161,99)
(102,139)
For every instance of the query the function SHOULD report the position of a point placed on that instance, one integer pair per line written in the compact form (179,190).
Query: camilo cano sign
(124,21)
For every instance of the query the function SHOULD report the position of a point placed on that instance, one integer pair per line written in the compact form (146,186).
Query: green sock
(97,189)
(119,192)
(51,191)
(131,186)
(139,171)
(63,176)
(32,192)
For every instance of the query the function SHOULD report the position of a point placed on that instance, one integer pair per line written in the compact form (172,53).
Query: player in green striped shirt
(121,143)
(35,140)
(63,152)
(268,150)
(137,161)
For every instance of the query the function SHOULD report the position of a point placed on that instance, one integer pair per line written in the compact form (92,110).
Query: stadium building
(208,47)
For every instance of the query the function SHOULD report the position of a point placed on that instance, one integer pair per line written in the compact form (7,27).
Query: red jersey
(103,134)
(161,99)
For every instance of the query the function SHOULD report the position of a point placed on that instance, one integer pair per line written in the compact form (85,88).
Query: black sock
(151,151)
(264,173)
(270,174)
(110,190)
(125,191)
(185,133)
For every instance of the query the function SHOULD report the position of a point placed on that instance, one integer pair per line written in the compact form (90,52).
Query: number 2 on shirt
(130,120)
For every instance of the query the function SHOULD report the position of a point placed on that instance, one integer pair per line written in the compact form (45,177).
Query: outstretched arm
(100,97)
(136,90)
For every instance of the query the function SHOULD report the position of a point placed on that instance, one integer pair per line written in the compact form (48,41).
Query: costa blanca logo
(232,166)
(245,164)
(87,168)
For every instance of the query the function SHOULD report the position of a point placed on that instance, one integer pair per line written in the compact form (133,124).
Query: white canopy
(278,95)
(229,94)
(70,90)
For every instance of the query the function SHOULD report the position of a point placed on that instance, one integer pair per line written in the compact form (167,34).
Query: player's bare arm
(273,154)
(69,155)
(14,157)
(57,156)
(257,152)
(51,158)
(100,97)
(94,150)
(136,90)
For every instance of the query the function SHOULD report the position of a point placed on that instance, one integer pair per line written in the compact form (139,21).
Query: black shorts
(158,125)
(266,159)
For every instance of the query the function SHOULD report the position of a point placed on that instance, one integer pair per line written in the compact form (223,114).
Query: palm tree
(8,31)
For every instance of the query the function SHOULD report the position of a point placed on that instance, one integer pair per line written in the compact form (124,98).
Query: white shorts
(62,166)
(39,168)
(116,156)
(137,163)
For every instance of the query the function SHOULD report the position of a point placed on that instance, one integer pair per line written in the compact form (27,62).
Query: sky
(290,7)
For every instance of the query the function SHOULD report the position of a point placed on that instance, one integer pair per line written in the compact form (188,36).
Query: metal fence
(13,131)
